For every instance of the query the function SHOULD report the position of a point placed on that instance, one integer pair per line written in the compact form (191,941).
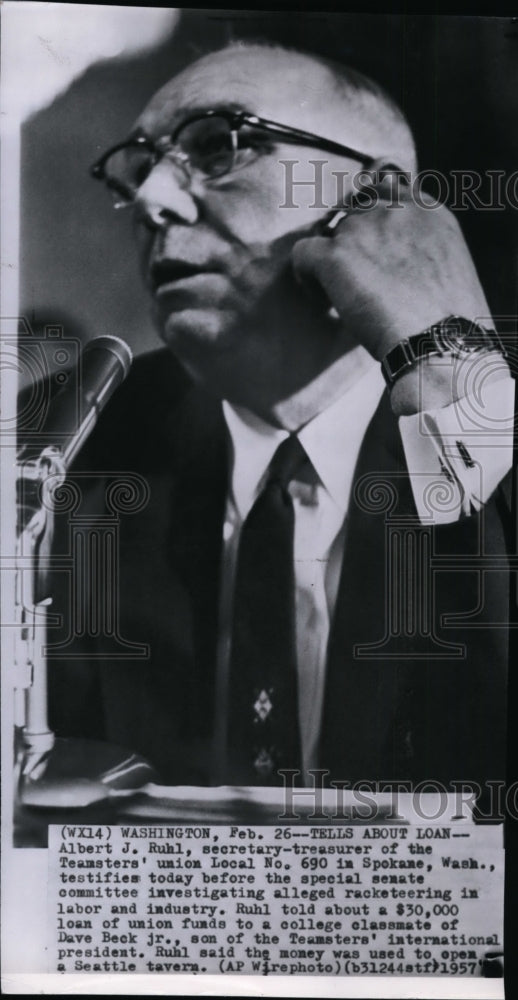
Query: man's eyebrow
(185,113)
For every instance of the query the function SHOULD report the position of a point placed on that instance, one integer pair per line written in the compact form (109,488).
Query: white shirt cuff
(457,455)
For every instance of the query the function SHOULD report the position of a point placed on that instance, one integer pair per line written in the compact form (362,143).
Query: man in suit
(387,627)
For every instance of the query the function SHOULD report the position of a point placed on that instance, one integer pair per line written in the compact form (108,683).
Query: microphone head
(116,345)
(103,365)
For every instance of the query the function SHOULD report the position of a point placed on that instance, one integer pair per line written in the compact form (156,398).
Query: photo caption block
(266,900)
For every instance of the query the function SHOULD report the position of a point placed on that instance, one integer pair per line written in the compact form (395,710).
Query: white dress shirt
(465,475)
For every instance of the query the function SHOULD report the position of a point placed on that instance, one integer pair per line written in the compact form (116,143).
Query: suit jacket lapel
(198,506)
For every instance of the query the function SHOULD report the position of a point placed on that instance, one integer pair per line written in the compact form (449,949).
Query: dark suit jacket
(402,700)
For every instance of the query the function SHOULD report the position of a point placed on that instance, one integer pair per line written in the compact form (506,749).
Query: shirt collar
(254,443)
(332,441)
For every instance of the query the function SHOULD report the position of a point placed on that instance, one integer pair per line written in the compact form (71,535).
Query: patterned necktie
(263,728)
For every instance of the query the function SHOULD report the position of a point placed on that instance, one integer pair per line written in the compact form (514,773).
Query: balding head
(354,100)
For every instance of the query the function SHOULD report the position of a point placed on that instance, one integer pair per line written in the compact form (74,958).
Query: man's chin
(194,330)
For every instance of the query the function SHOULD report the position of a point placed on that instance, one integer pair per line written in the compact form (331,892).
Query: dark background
(455,77)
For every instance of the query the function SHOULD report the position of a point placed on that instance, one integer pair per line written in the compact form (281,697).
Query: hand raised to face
(392,266)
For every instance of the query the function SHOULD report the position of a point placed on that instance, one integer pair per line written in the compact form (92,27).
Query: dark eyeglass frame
(236,120)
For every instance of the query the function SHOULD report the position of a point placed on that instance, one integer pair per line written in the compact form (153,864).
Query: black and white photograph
(258,336)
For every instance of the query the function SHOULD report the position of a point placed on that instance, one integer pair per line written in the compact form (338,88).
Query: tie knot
(288,461)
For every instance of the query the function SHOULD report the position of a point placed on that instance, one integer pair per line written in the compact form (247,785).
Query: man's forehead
(268,82)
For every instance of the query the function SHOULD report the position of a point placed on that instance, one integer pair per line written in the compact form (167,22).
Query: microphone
(56,773)
(72,414)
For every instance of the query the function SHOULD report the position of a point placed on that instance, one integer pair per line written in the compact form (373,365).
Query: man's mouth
(166,274)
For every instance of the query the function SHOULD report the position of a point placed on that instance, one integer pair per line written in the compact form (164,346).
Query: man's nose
(166,196)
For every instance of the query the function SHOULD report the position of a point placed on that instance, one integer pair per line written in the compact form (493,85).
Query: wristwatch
(454,335)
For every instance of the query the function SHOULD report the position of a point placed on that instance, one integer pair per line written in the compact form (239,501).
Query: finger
(382,181)
(307,255)
(331,224)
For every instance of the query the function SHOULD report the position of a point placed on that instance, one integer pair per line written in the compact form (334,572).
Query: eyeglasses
(209,144)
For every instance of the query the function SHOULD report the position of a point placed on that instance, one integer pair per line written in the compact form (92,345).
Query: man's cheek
(263,213)
(252,274)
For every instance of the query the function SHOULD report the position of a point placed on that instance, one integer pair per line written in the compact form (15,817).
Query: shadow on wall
(453,76)
(78,258)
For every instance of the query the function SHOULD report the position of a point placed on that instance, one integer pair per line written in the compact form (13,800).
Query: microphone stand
(34,542)
(52,773)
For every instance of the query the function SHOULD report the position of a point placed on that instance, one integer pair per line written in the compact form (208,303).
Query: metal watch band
(437,340)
